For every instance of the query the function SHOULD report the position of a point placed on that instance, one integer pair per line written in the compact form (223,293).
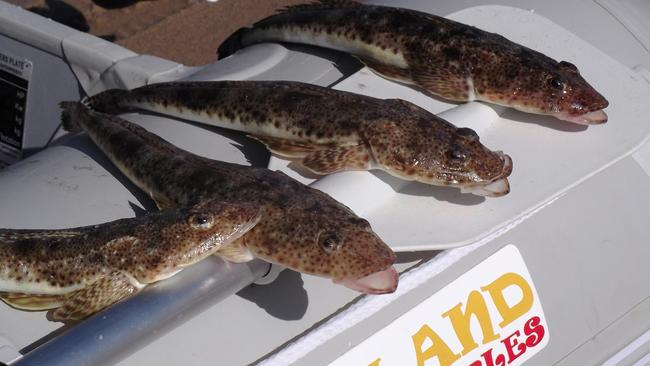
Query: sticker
(489,316)
(15,74)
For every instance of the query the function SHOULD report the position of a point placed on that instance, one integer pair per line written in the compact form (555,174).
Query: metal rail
(122,329)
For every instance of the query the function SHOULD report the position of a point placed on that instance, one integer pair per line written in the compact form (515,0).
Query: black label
(13,98)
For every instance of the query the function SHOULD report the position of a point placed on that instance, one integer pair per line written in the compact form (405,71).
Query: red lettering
(500,360)
(487,356)
(489,360)
(534,331)
(511,342)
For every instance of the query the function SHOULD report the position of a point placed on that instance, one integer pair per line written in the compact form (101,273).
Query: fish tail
(70,115)
(238,40)
(107,101)
(233,43)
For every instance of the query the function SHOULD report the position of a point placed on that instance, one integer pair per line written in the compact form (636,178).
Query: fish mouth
(382,282)
(591,118)
(495,187)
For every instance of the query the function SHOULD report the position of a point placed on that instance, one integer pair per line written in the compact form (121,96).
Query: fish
(301,228)
(77,272)
(328,131)
(451,60)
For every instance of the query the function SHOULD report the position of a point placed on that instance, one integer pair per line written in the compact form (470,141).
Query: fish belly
(32,287)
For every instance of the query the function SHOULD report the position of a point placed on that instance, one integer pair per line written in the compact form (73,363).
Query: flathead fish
(449,59)
(79,271)
(328,130)
(301,228)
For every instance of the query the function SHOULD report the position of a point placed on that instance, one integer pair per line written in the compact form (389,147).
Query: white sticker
(15,74)
(489,316)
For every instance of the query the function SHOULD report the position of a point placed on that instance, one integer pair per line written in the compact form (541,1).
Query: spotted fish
(449,59)
(301,228)
(79,271)
(328,130)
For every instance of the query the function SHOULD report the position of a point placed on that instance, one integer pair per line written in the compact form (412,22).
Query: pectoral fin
(100,294)
(443,83)
(320,158)
(388,71)
(236,252)
(288,148)
(337,159)
(32,302)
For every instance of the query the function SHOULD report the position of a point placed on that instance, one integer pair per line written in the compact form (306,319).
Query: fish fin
(322,4)
(232,44)
(69,113)
(443,83)
(100,294)
(32,302)
(236,41)
(337,159)
(288,148)
(236,252)
(161,201)
(388,71)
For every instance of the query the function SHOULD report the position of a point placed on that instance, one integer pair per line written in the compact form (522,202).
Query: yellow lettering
(510,313)
(375,362)
(438,347)
(461,321)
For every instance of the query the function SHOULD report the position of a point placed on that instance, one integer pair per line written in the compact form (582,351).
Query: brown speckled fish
(82,270)
(328,130)
(301,228)
(449,59)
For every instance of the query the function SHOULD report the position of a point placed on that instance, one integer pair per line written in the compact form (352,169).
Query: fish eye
(329,241)
(555,82)
(201,221)
(457,155)
(467,132)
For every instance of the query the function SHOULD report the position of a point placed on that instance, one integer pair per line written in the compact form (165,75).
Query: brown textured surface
(449,59)
(303,121)
(185,31)
(301,227)
(89,266)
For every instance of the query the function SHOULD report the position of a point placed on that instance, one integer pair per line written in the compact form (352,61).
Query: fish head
(431,150)
(361,260)
(326,239)
(571,98)
(204,228)
(551,88)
